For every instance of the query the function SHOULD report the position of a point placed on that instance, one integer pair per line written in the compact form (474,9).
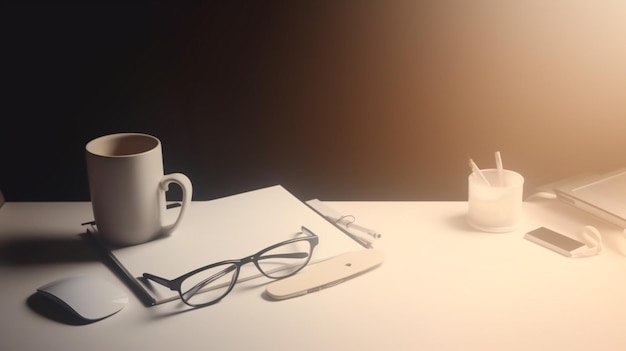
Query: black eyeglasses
(209,284)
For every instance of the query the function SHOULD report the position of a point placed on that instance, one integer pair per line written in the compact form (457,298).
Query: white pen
(365,235)
(350,224)
(478,172)
(500,168)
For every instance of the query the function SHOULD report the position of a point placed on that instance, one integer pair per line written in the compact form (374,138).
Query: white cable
(590,235)
(593,242)
(541,195)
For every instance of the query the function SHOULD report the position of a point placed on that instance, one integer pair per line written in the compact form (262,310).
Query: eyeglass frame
(176,283)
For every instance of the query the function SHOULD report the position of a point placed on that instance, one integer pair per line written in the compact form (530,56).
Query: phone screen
(559,240)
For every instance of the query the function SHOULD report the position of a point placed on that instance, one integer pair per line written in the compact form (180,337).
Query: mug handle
(187,189)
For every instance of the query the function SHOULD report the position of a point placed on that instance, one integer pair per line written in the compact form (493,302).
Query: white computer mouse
(89,298)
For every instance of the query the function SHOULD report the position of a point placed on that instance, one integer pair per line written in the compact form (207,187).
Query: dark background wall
(332,99)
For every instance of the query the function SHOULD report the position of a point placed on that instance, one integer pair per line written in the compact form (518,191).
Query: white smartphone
(554,241)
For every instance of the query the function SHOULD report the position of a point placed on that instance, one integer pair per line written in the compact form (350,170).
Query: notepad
(228,228)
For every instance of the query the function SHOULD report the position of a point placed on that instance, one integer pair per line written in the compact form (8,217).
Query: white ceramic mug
(127,187)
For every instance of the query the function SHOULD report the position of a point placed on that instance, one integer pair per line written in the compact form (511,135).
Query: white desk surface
(443,286)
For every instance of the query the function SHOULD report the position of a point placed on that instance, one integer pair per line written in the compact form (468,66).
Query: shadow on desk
(459,222)
(34,251)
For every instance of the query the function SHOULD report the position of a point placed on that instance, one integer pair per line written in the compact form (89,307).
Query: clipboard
(227,228)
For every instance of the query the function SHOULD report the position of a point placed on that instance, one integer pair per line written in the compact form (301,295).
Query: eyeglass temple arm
(162,281)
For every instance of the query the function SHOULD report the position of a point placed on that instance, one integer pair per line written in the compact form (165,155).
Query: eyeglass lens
(208,285)
(284,260)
